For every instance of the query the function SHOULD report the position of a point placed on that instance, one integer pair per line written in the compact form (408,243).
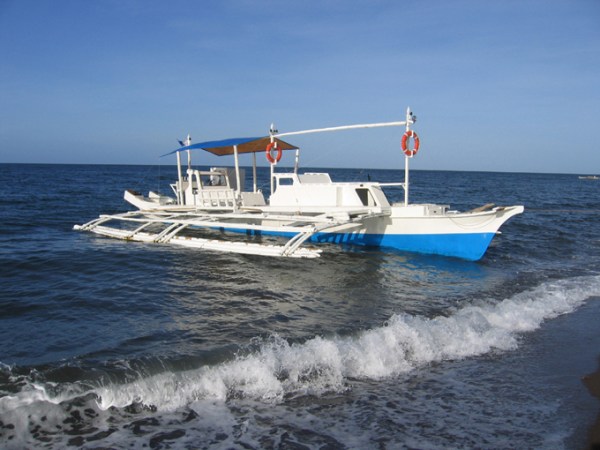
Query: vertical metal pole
(297,161)
(272,172)
(237,169)
(406,180)
(271,134)
(406,158)
(254,170)
(180,180)
(188,142)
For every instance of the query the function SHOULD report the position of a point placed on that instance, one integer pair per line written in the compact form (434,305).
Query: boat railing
(209,189)
(216,199)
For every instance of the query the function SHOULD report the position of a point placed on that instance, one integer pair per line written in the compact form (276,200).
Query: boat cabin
(316,191)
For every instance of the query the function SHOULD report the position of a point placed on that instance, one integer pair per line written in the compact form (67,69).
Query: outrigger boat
(302,207)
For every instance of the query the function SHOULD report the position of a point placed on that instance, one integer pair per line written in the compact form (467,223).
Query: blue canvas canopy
(244,145)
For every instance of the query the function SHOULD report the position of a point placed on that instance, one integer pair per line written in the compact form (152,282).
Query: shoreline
(592,383)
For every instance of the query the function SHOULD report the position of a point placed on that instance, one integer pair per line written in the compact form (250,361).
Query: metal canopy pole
(237,168)
(297,161)
(254,170)
(180,180)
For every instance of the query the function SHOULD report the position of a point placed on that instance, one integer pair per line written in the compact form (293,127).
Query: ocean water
(114,344)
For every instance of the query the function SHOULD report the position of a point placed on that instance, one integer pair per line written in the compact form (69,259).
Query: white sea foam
(324,364)
(321,364)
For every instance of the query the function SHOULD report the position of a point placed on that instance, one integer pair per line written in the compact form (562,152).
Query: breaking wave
(278,369)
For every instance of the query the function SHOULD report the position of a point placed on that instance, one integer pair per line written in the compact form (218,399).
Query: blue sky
(510,85)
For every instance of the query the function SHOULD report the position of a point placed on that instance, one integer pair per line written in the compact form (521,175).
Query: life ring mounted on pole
(273,159)
(410,151)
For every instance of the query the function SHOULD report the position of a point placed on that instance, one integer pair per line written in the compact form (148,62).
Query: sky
(506,85)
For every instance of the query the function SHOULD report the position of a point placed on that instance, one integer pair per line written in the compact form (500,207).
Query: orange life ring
(270,158)
(408,151)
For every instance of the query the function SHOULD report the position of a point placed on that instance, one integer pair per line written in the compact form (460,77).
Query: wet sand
(592,382)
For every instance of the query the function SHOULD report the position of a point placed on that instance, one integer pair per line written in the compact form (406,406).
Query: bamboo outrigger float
(307,207)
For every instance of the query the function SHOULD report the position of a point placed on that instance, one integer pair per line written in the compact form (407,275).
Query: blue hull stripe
(470,246)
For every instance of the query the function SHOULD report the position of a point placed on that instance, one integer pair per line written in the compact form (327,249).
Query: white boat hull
(461,235)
